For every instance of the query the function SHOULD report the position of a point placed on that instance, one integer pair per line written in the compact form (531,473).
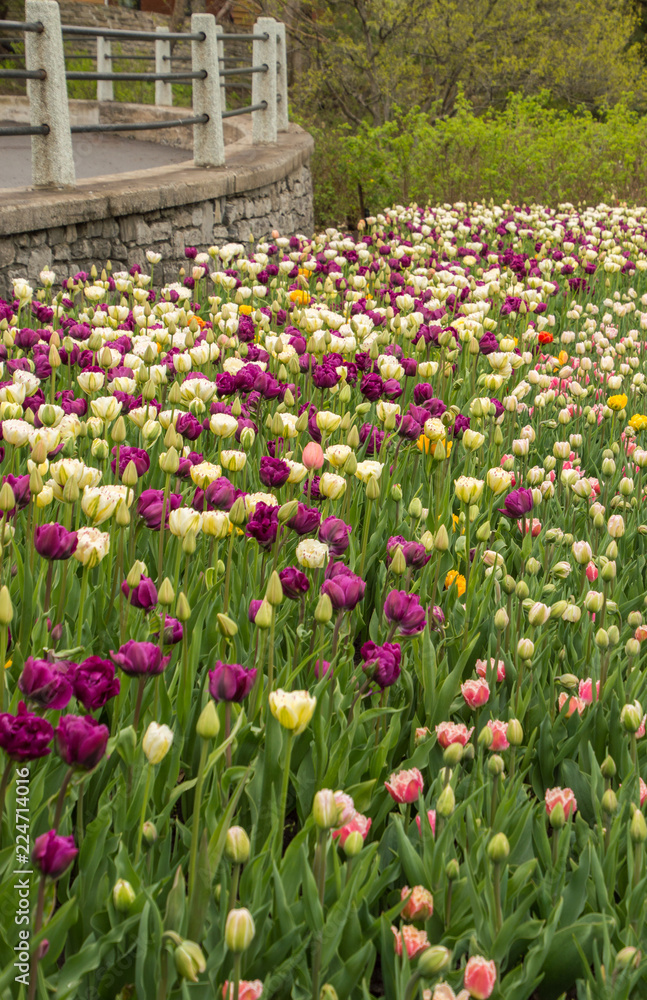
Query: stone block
(7,253)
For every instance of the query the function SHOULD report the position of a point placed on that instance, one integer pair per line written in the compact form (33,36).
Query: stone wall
(118,218)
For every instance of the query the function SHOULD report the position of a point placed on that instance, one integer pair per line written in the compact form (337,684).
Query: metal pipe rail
(261,106)
(225,37)
(145,77)
(139,126)
(37,26)
(23,74)
(136,36)
(245,70)
(24,130)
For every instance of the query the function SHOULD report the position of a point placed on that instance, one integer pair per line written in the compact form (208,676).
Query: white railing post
(283,121)
(163,89)
(264,84)
(105,88)
(208,140)
(221,64)
(51,155)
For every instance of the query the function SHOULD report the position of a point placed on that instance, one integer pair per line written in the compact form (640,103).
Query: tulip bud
(323,610)
(189,960)
(433,960)
(166,594)
(237,513)
(628,956)
(557,817)
(7,498)
(328,992)
(169,461)
(123,896)
(237,846)
(609,801)
(509,584)
(287,510)
(631,717)
(182,609)
(526,649)
(608,571)
(239,930)
(485,737)
(118,432)
(632,647)
(208,724)
(608,768)
(452,870)
(415,508)
(6,609)
(638,828)
(453,754)
(614,634)
(324,809)
(446,802)
(398,562)
(157,742)
(373,488)
(501,619)
(130,476)
(149,832)
(498,848)
(495,765)
(484,532)
(264,615)
(514,733)
(353,844)
(441,541)
(227,626)
(274,592)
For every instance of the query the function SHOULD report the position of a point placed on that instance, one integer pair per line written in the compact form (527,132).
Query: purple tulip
(173,631)
(52,854)
(408,428)
(25,736)
(95,683)
(371,387)
(140,659)
(415,554)
(461,423)
(143,596)
(263,525)
(322,668)
(336,534)
(305,520)
(273,472)
(372,437)
(295,583)
(344,588)
(437,618)
(81,741)
(253,610)
(188,426)
(46,683)
(324,376)
(220,494)
(517,503)
(138,456)
(382,663)
(20,487)
(405,610)
(150,504)
(231,681)
(53,541)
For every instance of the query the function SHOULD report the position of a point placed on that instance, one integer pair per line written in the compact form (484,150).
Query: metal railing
(46,76)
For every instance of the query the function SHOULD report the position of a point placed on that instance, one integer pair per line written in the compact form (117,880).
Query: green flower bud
(521,590)
(453,754)
(239,930)
(182,609)
(323,610)
(169,461)
(264,615)
(632,647)
(237,846)
(485,737)
(433,960)
(609,801)
(515,733)
(166,594)
(501,619)
(631,717)
(396,493)
(638,828)
(123,896)
(614,634)
(499,848)
(452,870)
(398,562)
(149,832)
(227,626)
(7,497)
(608,768)
(328,991)
(287,510)
(509,584)
(373,488)
(237,514)
(441,541)
(557,817)
(324,809)
(415,508)
(130,476)
(353,844)
(446,802)
(208,724)
(608,571)
(6,610)
(274,592)
(189,961)
(628,956)
(495,765)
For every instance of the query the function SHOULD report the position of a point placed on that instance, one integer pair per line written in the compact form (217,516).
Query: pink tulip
(475,693)
(479,978)
(313,456)
(404,786)
(499,732)
(560,796)
(453,732)
(431,817)
(415,941)
(591,572)
(482,667)
(419,904)
(585,690)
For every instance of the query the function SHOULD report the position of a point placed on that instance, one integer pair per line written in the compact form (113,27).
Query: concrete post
(282,122)
(51,155)
(221,64)
(208,140)
(163,90)
(264,84)
(105,88)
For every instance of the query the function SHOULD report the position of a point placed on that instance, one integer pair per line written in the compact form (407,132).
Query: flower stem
(38,920)
(195,832)
(284,795)
(84,591)
(142,818)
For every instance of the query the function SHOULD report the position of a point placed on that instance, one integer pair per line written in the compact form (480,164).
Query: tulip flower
(46,684)
(231,681)
(140,659)
(405,786)
(53,541)
(25,736)
(415,941)
(479,978)
(81,741)
(52,854)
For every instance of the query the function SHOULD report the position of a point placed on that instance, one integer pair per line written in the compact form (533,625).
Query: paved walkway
(94,155)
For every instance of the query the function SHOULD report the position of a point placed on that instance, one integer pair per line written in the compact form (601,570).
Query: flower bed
(322,591)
